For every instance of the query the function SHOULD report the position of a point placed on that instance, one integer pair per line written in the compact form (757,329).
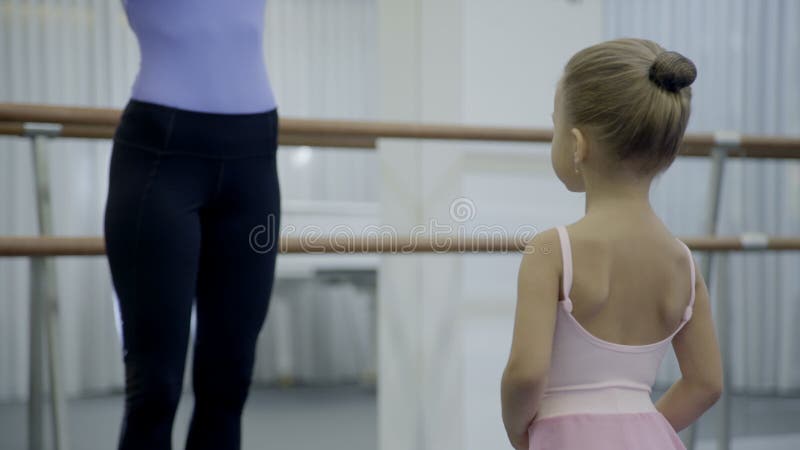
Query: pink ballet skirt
(598,395)
(642,431)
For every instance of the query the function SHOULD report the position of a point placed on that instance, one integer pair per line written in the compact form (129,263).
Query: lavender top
(201,55)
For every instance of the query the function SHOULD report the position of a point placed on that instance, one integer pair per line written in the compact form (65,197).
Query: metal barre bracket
(754,241)
(727,139)
(45,129)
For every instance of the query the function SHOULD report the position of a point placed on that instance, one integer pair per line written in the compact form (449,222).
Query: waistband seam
(603,414)
(595,387)
(169,152)
(170,127)
(159,107)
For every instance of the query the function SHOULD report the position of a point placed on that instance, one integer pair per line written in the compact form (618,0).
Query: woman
(193,172)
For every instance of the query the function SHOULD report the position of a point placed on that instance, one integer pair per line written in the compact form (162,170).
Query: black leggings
(186,192)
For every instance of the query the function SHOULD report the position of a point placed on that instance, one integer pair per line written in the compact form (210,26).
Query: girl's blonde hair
(633,97)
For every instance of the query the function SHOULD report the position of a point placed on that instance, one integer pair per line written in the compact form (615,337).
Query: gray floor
(757,423)
(345,418)
(342,418)
(756,416)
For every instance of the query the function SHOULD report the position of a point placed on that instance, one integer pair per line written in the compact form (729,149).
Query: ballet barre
(47,246)
(39,123)
(99,123)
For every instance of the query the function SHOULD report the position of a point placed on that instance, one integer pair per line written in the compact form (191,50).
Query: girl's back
(610,338)
(631,279)
(594,323)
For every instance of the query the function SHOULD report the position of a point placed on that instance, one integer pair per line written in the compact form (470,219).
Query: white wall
(419,347)
(515,51)
(445,321)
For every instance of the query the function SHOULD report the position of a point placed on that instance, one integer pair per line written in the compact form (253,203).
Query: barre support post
(44,305)
(719,156)
(723,328)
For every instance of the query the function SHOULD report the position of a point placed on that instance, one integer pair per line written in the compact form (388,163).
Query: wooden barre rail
(26,246)
(107,132)
(99,123)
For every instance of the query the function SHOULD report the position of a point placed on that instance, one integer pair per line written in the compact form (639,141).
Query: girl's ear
(580,146)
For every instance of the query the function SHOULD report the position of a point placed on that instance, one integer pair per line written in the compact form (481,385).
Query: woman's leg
(234,285)
(152,232)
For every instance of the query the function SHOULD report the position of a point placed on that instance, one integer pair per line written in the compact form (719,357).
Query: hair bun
(672,71)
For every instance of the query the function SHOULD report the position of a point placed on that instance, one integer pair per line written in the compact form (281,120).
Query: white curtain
(323,64)
(748,59)
(319,332)
(322,59)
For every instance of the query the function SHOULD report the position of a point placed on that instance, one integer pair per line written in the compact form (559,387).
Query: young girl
(596,314)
